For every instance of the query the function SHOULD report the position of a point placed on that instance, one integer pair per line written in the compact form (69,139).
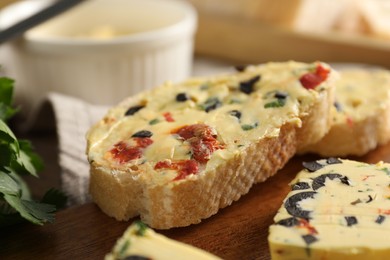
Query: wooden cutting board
(236,232)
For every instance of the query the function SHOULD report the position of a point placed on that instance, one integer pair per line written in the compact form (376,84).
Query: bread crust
(126,193)
(356,139)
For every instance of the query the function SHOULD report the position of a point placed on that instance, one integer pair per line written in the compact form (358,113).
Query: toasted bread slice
(361,116)
(337,209)
(177,154)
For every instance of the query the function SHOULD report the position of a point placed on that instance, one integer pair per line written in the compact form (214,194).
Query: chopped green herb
(154,121)
(235,101)
(141,228)
(211,104)
(204,86)
(277,103)
(247,127)
(123,249)
(386,170)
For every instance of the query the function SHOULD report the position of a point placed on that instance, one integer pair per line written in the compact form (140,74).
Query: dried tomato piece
(313,79)
(183,167)
(124,152)
(202,139)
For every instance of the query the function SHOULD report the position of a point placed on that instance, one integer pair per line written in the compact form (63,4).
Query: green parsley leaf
(6,93)
(8,185)
(17,157)
(55,197)
(37,213)
(6,133)
(280,102)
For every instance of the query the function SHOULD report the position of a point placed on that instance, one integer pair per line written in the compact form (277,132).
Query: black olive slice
(280,95)
(332,160)
(247,86)
(240,68)
(380,219)
(309,239)
(136,257)
(300,186)
(235,113)
(132,110)
(312,166)
(142,134)
(319,181)
(211,104)
(294,209)
(288,222)
(351,220)
(181,97)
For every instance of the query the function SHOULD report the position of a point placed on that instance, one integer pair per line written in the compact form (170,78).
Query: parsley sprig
(17,158)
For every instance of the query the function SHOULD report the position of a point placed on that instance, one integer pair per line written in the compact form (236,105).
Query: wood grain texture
(237,232)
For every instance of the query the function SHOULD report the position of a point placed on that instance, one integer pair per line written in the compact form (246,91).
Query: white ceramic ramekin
(101,51)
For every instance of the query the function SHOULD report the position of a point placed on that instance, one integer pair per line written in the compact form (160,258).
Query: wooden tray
(236,232)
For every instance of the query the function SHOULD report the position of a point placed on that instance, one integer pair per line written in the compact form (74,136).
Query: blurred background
(254,31)
(263,30)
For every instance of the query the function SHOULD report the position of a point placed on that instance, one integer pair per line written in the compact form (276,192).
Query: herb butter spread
(141,243)
(181,130)
(337,209)
(359,94)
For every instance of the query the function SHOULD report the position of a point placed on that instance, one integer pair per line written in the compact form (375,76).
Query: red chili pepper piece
(313,79)
(349,121)
(305,224)
(384,211)
(168,117)
(184,167)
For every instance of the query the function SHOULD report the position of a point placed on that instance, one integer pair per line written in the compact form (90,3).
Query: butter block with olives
(139,242)
(337,209)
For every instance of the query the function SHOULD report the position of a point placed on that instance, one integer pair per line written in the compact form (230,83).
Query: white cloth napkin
(73,119)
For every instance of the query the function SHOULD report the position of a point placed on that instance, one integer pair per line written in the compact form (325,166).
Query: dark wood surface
(84,232)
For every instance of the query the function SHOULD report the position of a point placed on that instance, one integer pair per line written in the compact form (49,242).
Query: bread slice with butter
(177,154)
(337,209)
(139,242)
(361,115)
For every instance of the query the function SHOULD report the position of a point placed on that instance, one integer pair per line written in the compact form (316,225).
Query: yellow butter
(141,241)
(347,215)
